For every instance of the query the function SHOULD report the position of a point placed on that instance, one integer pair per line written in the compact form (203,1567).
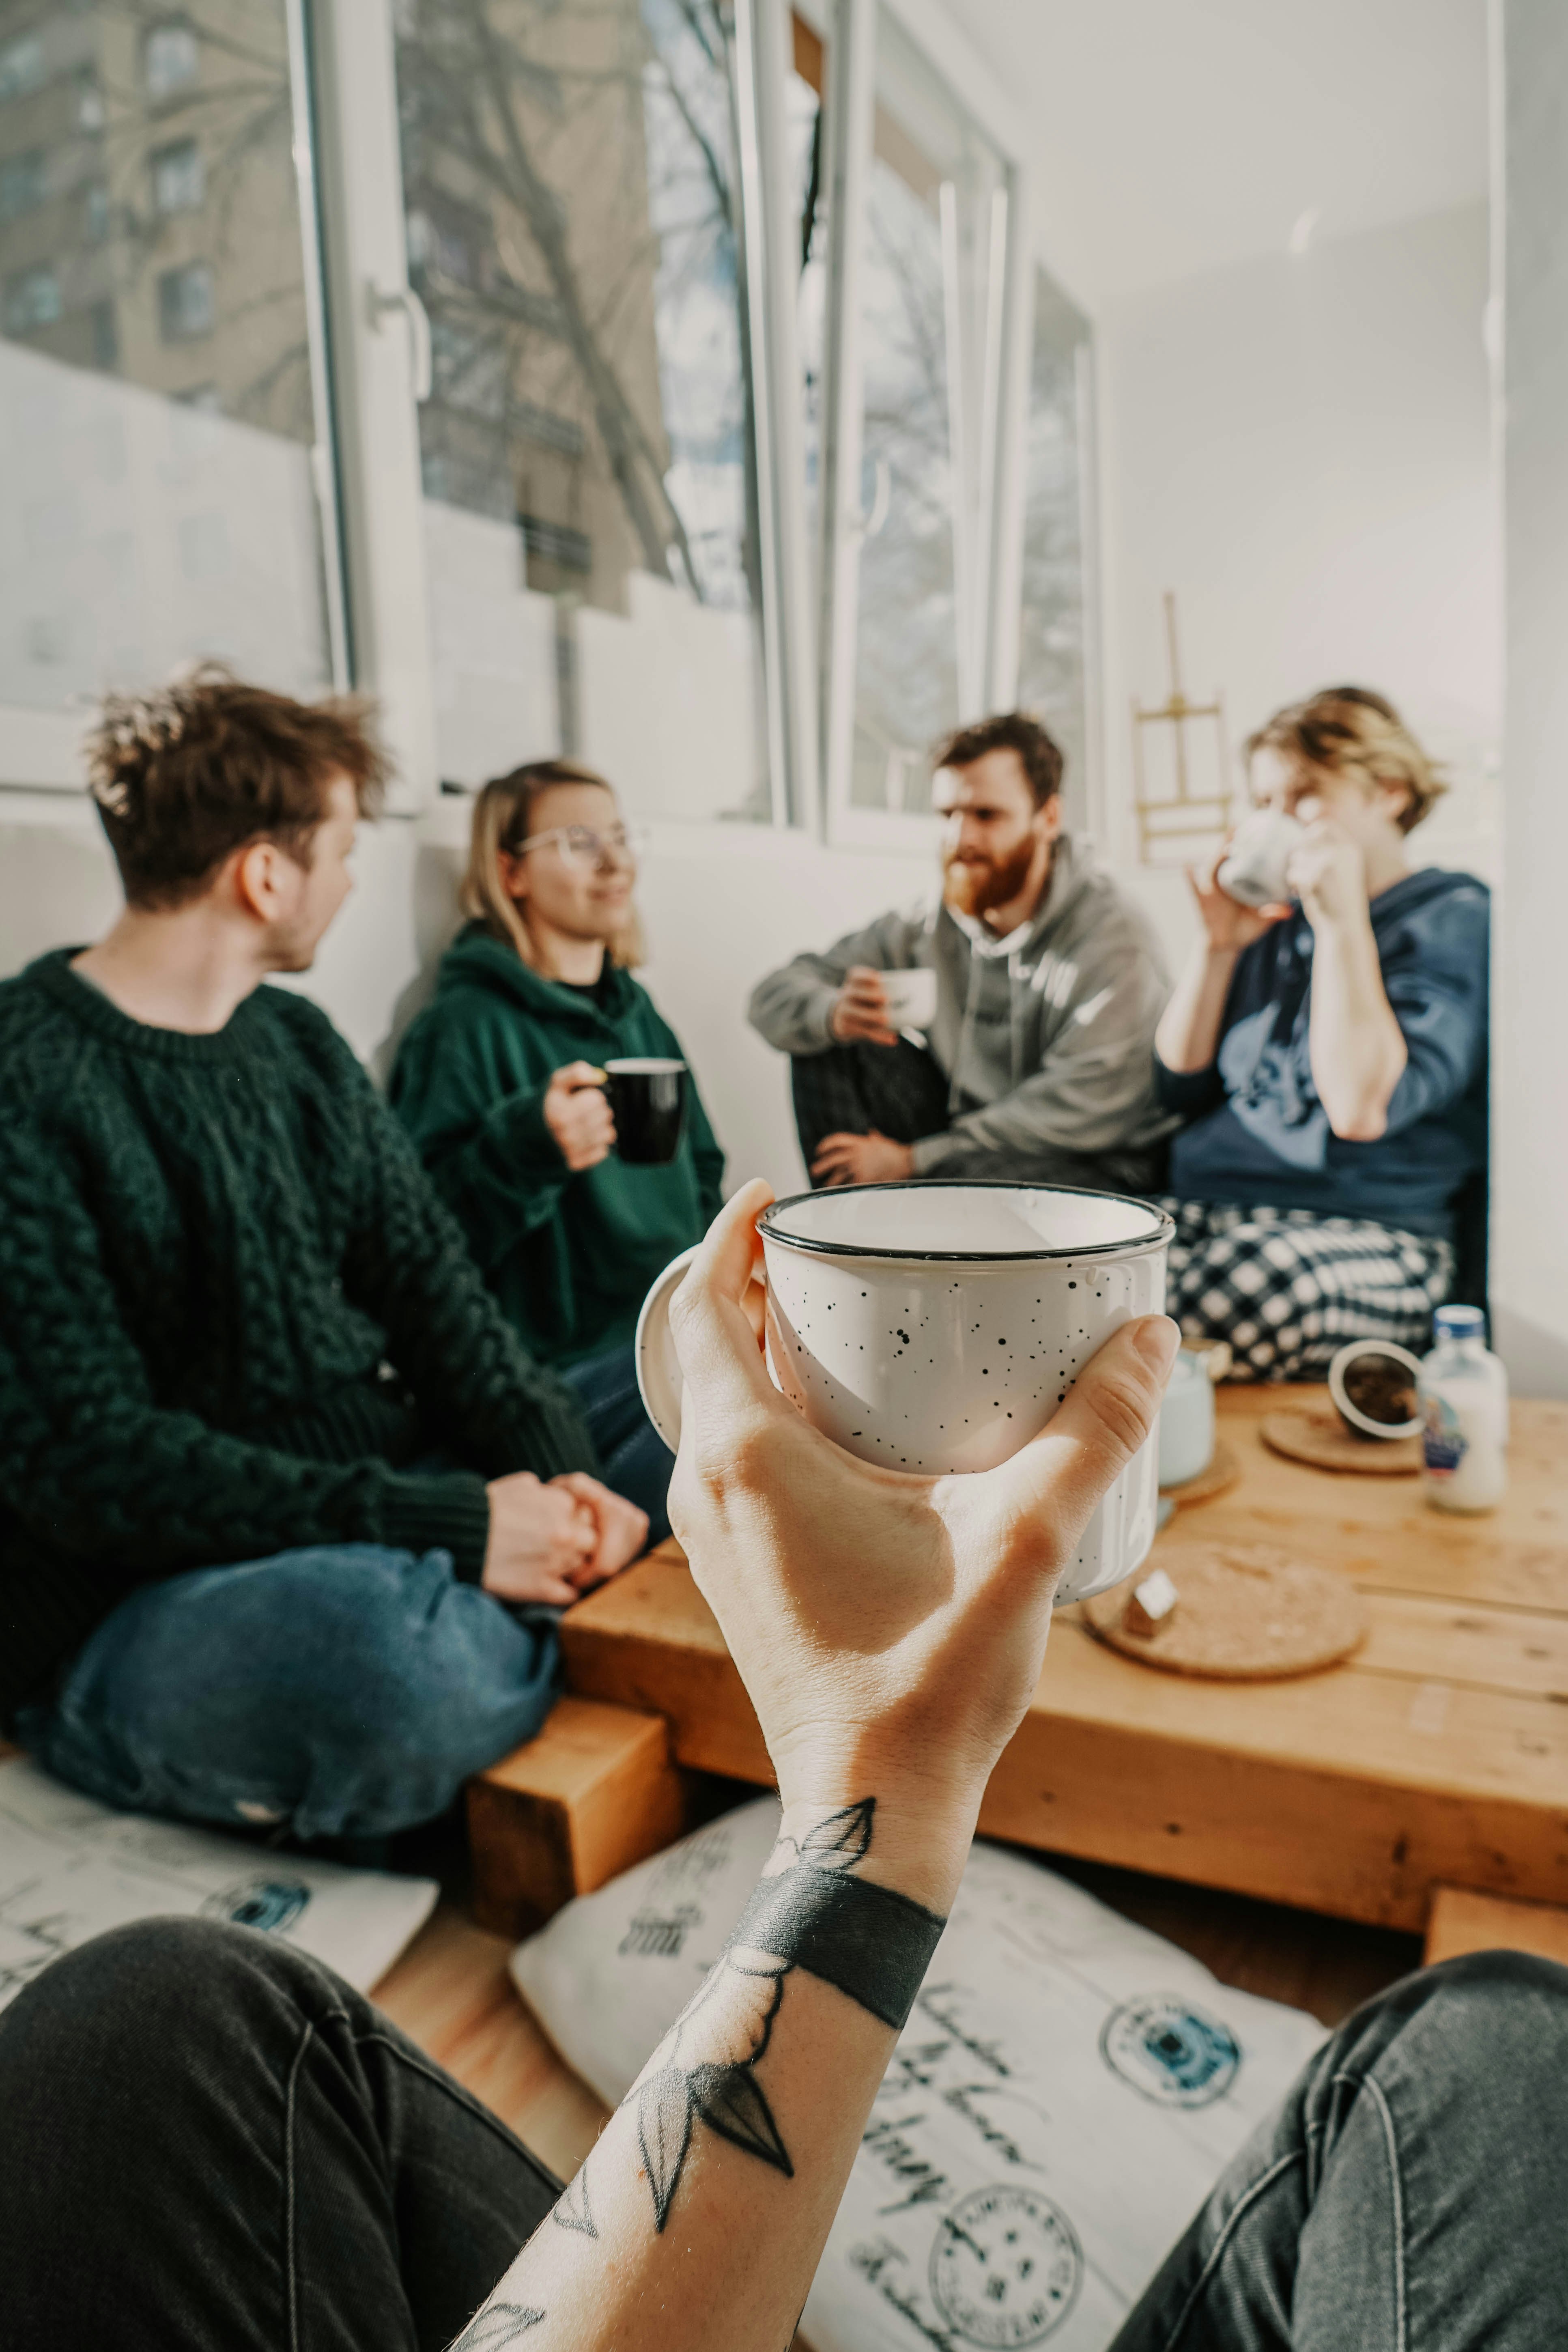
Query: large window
(157,501)
(588,446)
(930,283)
(643,379)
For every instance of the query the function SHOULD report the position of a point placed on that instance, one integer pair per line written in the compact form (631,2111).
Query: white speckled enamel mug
(936,1326)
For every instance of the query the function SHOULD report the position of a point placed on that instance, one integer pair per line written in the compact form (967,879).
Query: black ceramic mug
(648,1103)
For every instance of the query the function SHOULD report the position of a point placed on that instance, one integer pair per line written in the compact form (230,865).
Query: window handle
(379,300)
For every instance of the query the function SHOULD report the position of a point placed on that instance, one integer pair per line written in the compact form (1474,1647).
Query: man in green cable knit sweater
(281,1494)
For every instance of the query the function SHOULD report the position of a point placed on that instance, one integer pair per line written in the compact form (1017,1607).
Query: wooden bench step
(596,1792)
(1464,1920)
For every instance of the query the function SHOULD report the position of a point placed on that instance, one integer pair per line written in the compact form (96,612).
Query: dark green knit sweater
(232,1310)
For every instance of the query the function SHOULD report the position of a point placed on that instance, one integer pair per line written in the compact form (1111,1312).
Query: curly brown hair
(186,774)
(1352,731)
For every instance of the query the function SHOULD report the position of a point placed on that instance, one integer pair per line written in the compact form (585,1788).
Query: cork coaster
(1223,1470)
(1322,1439)
(1244,1613)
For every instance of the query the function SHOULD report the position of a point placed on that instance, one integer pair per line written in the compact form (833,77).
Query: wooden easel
(1184,814)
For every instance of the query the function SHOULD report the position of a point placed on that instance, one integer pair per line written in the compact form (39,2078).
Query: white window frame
(370,368)
(987,530)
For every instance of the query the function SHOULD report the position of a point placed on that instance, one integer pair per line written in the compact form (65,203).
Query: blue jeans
(343,1690)
(637,1463)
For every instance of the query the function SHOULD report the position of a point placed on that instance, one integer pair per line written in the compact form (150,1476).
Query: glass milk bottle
(1464,1416)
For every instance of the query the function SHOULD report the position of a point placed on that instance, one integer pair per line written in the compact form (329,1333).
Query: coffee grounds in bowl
(1381,1389)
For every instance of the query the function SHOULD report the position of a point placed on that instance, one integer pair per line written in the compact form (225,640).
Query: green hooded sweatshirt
(569,1257)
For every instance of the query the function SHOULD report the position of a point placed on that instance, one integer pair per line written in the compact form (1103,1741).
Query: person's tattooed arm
(738,2133)
(808,1912)
(889,1631)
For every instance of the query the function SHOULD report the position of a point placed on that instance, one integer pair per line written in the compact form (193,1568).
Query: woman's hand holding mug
(578,1116)
(889,1628)
(1228,926)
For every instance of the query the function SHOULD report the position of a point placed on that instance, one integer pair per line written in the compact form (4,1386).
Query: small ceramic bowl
(1369,1380)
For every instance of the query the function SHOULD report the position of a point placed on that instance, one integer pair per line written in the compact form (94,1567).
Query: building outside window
(172,58)
(24,183)
(598,563)
(32,300)
(186,303)
(21,66)
(588,450)
(179,180)
(162,532)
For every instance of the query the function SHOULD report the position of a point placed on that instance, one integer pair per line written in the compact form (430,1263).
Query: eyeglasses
(587,851)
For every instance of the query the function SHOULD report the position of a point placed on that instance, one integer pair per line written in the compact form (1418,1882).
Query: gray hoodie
(1046,1036)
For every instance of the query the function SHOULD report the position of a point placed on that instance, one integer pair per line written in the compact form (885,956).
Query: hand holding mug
(578,1115)
(1228,926)
(888,1627)
(861,1009)
(1328,871)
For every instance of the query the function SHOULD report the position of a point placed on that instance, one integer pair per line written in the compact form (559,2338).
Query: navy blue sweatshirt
(1256,1133)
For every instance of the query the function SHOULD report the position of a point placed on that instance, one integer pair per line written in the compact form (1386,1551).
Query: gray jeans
(1410,2196)
(184,2084)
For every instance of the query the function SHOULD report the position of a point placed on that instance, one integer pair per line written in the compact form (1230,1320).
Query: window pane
(1051,671)
(806,124)
(927,156)
(155,407)
(589,476)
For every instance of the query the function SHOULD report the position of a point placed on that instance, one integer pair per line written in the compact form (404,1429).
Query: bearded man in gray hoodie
(1039,1065)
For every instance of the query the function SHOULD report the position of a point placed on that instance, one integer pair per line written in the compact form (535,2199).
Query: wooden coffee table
(1439,1754)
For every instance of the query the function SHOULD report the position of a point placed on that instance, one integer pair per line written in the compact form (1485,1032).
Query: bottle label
(1443,1442)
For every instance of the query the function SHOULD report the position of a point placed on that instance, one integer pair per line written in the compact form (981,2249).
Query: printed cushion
(1066,2092)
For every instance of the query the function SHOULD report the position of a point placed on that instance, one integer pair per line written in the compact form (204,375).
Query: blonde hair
(502,821)
(1352,731)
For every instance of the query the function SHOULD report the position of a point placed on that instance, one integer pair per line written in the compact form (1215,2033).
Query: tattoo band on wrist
(872,1944)
(875,1945)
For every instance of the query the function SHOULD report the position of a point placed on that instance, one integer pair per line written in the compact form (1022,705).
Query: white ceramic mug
(910,997)
(1253,870)
(936,1326)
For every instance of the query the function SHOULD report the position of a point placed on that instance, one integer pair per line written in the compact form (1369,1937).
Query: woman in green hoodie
(498,1080)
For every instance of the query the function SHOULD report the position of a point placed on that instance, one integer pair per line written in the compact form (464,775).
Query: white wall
(1530,1082)
(1301,448)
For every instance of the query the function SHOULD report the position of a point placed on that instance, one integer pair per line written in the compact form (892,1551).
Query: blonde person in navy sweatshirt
(499,1081)
(1329,1058)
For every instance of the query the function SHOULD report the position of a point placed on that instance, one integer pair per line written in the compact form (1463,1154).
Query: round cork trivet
(1244,1613)
(1223,1470)
(1322,1439)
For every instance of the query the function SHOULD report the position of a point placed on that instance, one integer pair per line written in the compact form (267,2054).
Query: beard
(972,885)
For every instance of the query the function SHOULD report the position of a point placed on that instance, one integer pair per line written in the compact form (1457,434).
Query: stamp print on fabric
(1170,2050)
(1005,2267)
